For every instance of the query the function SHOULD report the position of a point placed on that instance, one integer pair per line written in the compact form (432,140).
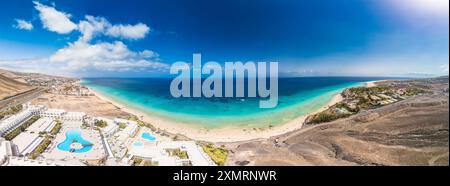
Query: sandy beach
(223,134)
(375,83)
(99,105)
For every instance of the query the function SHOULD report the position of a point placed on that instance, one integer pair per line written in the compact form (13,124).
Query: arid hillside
(10,87)
(18,76)
(409,132)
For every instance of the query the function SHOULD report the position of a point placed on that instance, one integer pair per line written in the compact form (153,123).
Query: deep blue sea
(297,97)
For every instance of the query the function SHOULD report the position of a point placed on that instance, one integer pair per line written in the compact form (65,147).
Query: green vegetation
(101,123)
(138,121)
(11,135)
(40,148)
(177,152)
(367,103)
(150,163)
(137,161)
(68,88)
(346,107)
(122,125)
(217,154)
(187,163)
(175,138)
(411,91)
(16,109)
(57,128)
(84,125)
(331,114)
(365,98)
(11,110)
(141,162)
(323,117)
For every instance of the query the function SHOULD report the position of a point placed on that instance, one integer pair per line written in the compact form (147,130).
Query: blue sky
(87,38)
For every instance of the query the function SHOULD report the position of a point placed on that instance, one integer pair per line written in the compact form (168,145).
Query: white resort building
(53,113)
(25,143)
(63,115)
(5,151)
(42,125)
(119,142)
(74,116)
(129,131)
(23,161)
(157,152)
(110,129)
(18,119)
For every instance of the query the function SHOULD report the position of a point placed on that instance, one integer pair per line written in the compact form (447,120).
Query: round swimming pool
(75,143)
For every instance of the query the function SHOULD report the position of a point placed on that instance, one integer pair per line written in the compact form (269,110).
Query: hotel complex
(16,120)
(41,136)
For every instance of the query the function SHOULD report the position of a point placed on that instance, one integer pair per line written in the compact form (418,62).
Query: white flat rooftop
(75,114)
(24,139)
(157,152)
(40,125)
(54,111)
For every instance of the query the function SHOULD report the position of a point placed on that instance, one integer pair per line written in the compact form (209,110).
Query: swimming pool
(75,143)
(148,136)
(138,144)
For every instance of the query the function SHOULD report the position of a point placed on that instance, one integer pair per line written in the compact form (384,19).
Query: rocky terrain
(413,131)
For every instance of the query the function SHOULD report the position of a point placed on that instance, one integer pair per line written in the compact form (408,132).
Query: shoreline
(223,134)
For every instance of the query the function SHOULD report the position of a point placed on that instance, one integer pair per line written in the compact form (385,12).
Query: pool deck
(156,150)
(138,137)
(96,153)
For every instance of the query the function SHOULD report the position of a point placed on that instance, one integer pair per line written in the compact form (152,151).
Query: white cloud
(55,20)
(105,56)
(423,7)
(59,22)
(81,51)
(31,66)
(23,25)
(444,68)
(83,55)
(137,31)
(148,54)
(92,26)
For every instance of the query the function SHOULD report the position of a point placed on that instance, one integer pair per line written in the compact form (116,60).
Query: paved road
(21,98)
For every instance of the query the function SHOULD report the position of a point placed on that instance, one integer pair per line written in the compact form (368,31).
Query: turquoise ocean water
(297,97)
